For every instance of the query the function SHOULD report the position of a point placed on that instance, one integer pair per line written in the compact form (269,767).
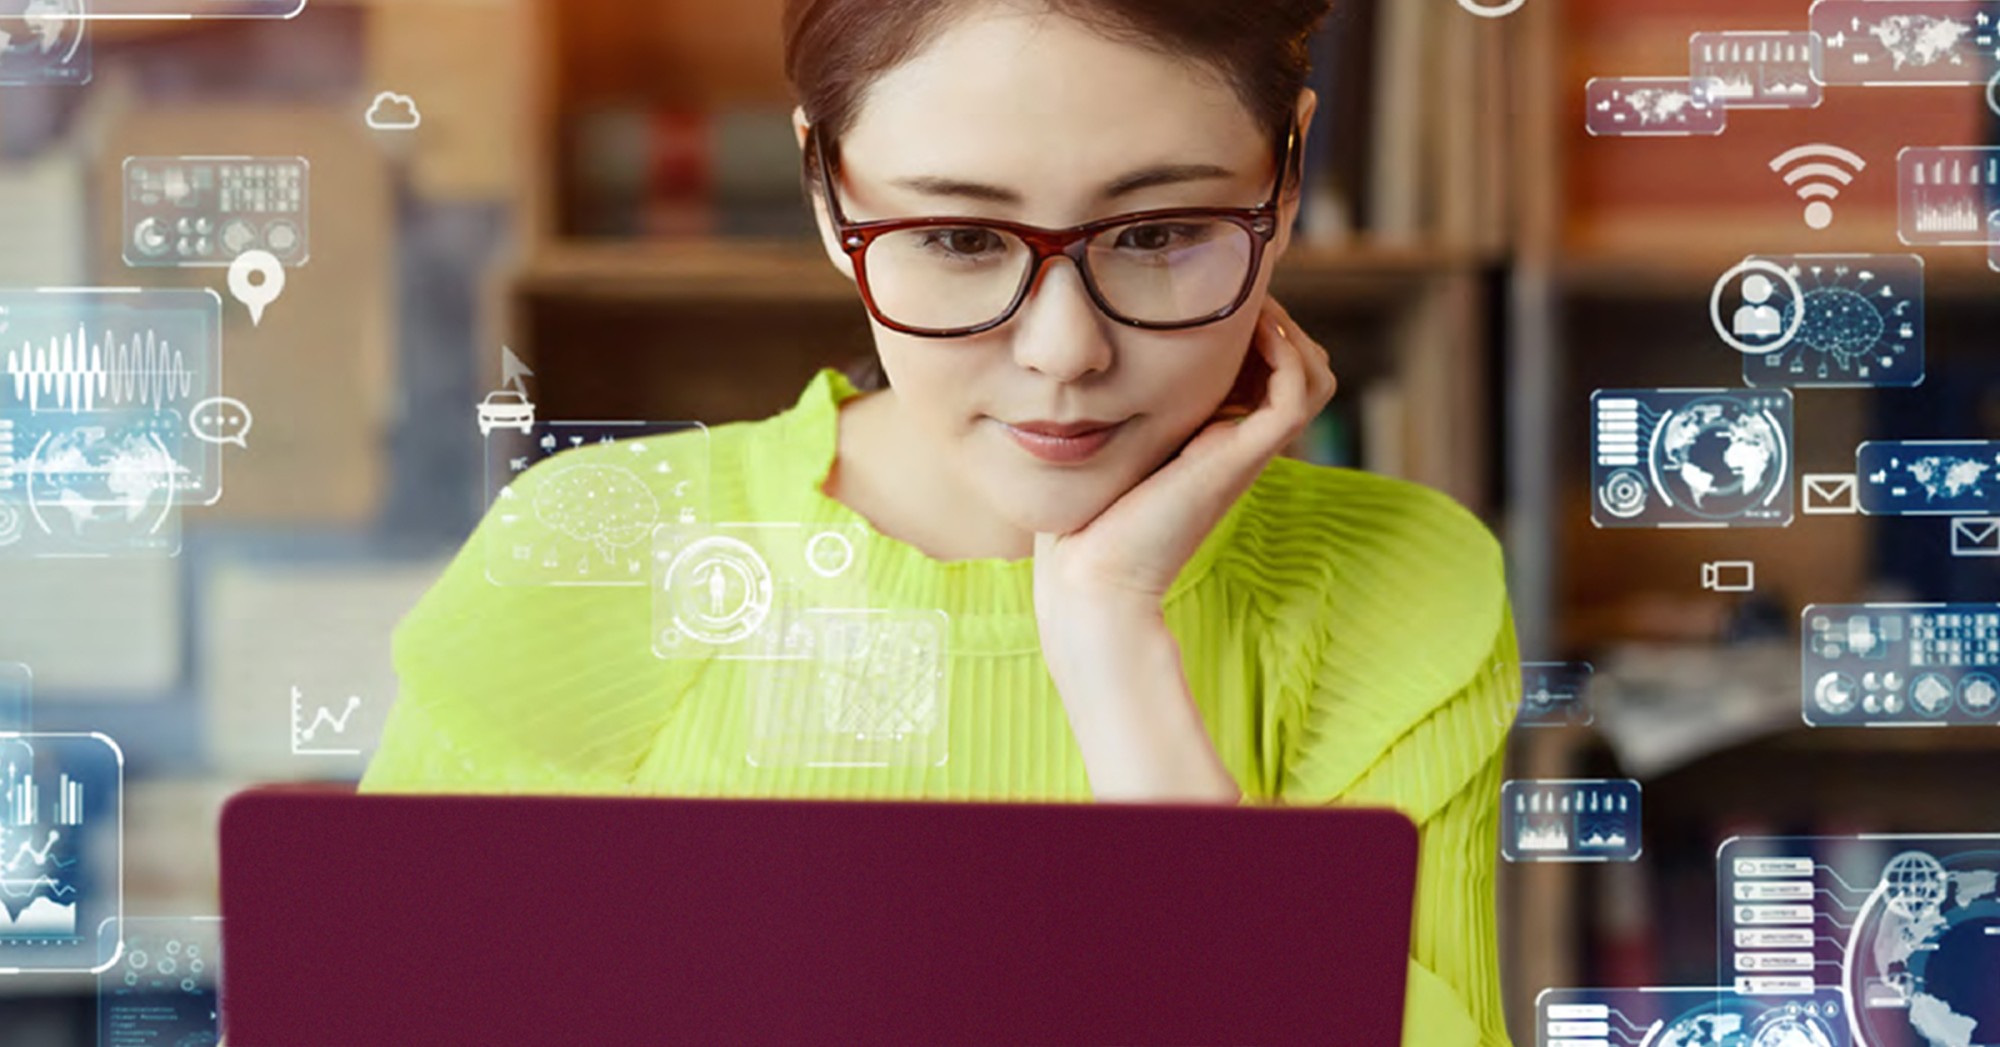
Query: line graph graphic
(306,729)
(28,852)
(79,370)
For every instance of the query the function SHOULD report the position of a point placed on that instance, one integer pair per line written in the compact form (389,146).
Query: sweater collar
(815,426)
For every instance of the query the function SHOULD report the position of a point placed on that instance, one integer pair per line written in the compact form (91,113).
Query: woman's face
(1034,117)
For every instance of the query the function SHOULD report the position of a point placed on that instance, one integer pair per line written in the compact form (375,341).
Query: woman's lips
(1063,444)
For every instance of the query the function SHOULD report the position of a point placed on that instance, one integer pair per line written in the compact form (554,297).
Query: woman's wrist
(1118,670)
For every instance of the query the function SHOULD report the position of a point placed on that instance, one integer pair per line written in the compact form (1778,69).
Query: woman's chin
(1061,506)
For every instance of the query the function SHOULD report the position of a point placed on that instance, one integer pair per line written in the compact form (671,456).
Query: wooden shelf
(705,271)
(1863,742)
(1689,276)
(711,271)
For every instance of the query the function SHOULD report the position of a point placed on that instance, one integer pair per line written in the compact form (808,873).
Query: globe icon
(1719,458)
(1925,957)
(1741,1025)
(38,33)
(1913,884)
(102,487)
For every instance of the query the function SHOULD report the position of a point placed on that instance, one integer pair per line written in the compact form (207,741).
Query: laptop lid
(352,920)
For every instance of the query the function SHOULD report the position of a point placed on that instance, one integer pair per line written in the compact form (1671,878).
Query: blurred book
(681,172)
(1663,706)
(1334,176)
(101,630)
(42,221)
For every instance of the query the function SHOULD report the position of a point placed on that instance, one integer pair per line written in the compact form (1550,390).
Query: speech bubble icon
(221,420)
(256,278)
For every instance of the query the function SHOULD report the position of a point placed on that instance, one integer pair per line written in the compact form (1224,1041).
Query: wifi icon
(1818,173)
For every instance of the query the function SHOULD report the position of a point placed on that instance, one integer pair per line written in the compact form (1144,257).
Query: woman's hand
(1099,591)
(1132,552)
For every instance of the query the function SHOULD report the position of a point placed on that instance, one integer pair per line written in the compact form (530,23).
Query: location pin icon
(256,278)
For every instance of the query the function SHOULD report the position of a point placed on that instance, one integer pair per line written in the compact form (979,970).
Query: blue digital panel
(98,389)
(1688,1018)
(1863,323)
(1691,458)
(207,210)
(61,826)
(42,42)
(1929,477)
(1906,42)
(1907,928)
(163,989)
(1570,820)
(1881,665)
(1554,694)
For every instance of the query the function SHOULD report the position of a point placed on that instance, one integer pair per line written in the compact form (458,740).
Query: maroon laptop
(431,921)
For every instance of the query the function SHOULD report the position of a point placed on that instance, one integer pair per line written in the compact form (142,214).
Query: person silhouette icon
(1758,318)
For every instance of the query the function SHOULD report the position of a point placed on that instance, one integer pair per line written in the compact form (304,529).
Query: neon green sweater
(1347,638)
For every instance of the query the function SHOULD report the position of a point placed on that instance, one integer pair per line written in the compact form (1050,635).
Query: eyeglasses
(1160,270)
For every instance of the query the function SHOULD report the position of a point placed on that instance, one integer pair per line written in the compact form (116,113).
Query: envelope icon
(1832,495)
(1976,536)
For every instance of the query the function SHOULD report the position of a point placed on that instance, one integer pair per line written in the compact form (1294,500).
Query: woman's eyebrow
(1144,178)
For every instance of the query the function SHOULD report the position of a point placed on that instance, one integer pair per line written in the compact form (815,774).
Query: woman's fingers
(1301,379)
(1323,383)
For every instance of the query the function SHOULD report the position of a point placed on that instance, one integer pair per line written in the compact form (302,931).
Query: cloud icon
(393,112)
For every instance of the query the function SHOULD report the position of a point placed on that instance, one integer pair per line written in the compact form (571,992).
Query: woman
(1057,556)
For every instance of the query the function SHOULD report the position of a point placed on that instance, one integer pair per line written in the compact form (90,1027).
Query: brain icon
(604,506)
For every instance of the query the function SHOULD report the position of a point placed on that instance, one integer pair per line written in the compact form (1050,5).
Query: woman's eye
(1159,236)
(963,243)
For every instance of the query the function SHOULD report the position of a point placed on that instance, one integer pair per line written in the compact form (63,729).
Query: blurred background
(609,189)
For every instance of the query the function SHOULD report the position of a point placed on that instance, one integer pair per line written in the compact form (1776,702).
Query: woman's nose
(1059,330)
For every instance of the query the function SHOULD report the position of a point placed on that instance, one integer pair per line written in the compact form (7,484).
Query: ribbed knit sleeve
(1396,599)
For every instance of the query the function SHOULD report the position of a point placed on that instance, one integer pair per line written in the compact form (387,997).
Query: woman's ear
(816,199)
(1288,207)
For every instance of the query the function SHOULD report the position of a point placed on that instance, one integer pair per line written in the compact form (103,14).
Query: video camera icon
(1729,576)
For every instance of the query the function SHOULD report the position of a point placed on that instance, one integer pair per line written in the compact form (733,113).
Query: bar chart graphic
(61,859)
(1950,196)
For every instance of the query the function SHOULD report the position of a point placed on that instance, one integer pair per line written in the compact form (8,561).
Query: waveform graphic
(75,373)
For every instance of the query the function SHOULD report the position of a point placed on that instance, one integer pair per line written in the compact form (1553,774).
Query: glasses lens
(1172,271)
(946,277)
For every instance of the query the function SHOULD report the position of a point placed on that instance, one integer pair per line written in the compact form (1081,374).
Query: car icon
(505,409)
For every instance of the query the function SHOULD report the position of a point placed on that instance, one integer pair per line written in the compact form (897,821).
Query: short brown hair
(836,49)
